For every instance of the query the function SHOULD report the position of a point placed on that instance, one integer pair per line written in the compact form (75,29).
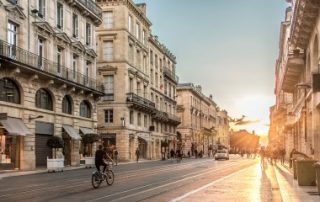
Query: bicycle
(98,177)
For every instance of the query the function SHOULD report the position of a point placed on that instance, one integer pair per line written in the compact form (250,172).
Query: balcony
(160,116)
(174,119)
(93,10)
(41,66)
(140,103)
(170,74)
(294,65)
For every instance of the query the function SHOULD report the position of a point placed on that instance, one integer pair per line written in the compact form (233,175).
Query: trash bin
(306,173)
(317,168)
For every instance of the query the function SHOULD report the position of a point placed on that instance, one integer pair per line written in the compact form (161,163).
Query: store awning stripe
(15,126)
(87,131)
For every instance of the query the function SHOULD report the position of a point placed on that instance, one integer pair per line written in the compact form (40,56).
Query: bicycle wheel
(95,180)
(109,177)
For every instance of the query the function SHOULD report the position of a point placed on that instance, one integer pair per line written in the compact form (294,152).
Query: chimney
(142,7)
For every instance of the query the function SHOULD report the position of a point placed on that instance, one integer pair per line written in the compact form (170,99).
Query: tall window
(157,80)
(108,19)
(59,58)
(108,116)
(40,52)
(151,76)
(85,109)
(88,34)
(131,118)
(9,91)
(87,72)
(151,57)
(145,121)
(41,8)
(44,99)
(139,119)
(138,89)
(59,15)
(143,36)
(131,85)
(74,66)
(66,105)
(138,56)
(108,87)
(108,51)
(75,25)
(12,38)
(156,60)
(130,23)
(138,31)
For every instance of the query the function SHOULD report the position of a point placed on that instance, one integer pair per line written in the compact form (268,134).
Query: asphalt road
(149,181)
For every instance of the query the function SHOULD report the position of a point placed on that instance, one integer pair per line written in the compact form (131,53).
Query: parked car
(222,154)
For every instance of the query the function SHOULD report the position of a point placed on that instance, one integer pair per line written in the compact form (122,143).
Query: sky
(229,47)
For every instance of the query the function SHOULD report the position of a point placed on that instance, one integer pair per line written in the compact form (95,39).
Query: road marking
(151,189)
(207,185)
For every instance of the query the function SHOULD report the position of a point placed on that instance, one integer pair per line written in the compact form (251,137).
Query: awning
(87,131)
(71,132)
(15,126)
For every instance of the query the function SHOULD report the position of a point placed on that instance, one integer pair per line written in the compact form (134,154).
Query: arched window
(44,99)
(67,105)
(9,91)
(85,110)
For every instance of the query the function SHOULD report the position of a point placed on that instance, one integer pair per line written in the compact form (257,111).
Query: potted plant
(88,140)
(55,164)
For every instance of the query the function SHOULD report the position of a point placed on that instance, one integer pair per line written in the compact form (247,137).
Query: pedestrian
(116,156)
(137,154)
(172,154)
(189,154)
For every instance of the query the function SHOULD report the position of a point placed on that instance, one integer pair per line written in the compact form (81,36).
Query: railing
(134,98)
(92,6)
(171,74)
(35,61)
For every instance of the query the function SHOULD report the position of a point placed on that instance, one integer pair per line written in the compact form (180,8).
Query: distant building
(48,81)
(243,141)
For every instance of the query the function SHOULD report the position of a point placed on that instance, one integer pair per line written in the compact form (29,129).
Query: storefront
(44,131)
(12,131)
(71,148)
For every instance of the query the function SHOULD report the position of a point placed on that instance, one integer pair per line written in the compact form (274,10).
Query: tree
(55,143)
(89,139)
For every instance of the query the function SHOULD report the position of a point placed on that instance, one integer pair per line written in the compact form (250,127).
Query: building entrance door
(143,145)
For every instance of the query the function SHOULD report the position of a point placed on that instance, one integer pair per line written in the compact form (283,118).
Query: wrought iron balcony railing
(38,63)
(92,6)
(141,102)
(170,74)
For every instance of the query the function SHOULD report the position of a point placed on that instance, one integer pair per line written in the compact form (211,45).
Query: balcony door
(40,53)
(12,39)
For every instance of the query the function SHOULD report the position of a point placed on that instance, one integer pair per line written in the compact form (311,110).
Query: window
(130,23)
(108,51)
(44,99)
(41,8)
(14,2)
(12,39)
(131,54)
(59,58)
(151,76)
(75,25)
(145,121)
(108,116)
(40,52)
(143,36)
(157,80)
(131,85)
(138,59)
(85,109)
(138,89)
(156,60)
(74,66)
(108,19)
(59,15)
(151,57)
(138,31)
(131,117)
(139,119)
(87,72)
(9,91)
(88,34)
(66,105)
(108,87)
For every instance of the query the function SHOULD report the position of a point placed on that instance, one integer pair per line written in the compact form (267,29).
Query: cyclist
(100,159)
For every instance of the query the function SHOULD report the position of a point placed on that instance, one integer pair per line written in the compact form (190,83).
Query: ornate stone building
(48,81)
(297,80)
(202,123)
(138,72)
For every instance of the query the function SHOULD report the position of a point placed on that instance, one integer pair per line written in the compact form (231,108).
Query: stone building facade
(202,122)
(48,81)
(295,117)
(138,73)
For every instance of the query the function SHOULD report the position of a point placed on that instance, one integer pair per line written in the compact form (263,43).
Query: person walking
(115,155)
(172,154)
(137,154)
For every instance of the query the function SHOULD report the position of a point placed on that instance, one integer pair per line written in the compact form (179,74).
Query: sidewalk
(14,173)
(274,183)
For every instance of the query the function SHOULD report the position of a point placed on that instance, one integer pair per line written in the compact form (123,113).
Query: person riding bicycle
(101,157)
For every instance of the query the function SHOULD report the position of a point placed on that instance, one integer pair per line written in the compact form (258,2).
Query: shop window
(9,91)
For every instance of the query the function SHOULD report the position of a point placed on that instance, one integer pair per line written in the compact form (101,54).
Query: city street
(150,181)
